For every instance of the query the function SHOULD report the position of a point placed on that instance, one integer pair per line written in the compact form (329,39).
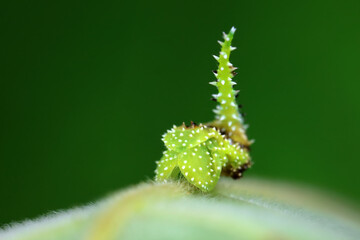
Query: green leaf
(249,209)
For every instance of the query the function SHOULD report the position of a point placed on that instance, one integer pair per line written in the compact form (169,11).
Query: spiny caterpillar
(201,153)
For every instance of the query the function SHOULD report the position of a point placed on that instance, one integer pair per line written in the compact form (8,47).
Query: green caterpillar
(201,153)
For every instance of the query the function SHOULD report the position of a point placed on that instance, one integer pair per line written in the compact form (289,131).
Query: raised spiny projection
(201,153)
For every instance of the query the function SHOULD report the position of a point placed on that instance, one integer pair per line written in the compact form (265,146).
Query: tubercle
(227,116)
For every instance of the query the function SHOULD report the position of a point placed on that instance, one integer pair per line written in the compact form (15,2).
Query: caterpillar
(202,153)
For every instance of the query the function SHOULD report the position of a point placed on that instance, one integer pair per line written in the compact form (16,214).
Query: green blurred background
(87,88)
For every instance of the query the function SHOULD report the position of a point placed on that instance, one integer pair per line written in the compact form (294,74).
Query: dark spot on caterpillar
(236,95)
(234,73)
(214,71)
(213,99)
(192,125)
(236,173)
(240,105)
(223,132)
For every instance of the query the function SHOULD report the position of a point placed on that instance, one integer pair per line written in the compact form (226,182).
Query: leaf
(249,209)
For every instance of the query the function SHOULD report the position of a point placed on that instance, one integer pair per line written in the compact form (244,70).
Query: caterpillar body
(202,153)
